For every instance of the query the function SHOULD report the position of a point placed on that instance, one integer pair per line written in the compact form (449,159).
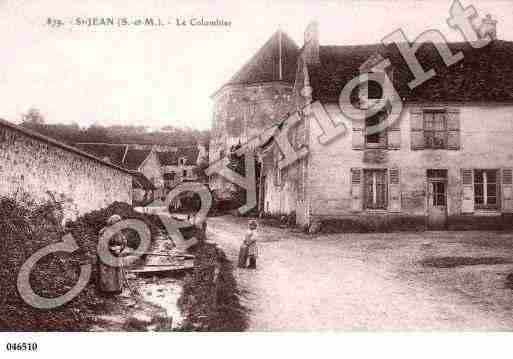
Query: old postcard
(286,166)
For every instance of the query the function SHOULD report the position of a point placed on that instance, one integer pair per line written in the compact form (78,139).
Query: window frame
(382,136)
(376,206)
(485,206)
(445,131)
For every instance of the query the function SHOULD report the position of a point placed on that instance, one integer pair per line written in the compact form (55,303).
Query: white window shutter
(394,136)
(507,190)
(358,134)
(453,129)
(417,129)
(356,189)
(467,198)
(395,190)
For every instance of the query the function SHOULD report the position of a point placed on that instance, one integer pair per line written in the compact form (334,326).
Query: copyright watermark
(332,125)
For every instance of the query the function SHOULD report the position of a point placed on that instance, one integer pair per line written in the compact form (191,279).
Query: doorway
(437,198)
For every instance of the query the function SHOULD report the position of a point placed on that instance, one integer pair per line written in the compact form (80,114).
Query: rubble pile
(25,228)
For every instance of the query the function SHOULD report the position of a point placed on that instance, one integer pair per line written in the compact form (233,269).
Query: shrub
(26,227)
(210,297)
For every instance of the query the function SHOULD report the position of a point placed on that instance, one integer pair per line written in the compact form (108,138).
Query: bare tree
(33,116)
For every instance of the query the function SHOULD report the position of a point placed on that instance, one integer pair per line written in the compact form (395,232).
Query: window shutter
(358,135)
(453,129)
(507,190)
(356,189)
(394,136)
(277,172)
(467,198)
(395,190)
(417,129)
(277,177)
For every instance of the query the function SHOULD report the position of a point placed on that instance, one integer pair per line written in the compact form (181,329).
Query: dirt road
(323,283)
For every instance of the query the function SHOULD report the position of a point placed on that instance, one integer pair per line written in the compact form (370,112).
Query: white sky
(164,76)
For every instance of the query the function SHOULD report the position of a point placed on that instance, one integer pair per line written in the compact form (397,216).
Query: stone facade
(175,174)
(283,192)
(334,193)
(43,168)
(181,167)
(242,112)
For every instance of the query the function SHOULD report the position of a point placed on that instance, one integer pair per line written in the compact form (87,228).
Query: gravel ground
(373,281)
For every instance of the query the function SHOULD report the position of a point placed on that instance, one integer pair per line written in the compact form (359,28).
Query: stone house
(180,165)
(446,162)
(45,169)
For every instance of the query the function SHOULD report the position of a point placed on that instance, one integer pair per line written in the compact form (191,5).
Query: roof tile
(484,74)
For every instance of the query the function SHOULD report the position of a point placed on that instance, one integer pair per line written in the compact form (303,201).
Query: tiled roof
(113,152)
(264,66)
(484,74)
(171,158)
(134,158)
(117,154)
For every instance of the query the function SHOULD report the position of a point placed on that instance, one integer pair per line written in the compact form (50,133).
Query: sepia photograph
(334,166)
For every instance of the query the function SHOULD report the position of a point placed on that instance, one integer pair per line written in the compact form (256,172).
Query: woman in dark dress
(110,278)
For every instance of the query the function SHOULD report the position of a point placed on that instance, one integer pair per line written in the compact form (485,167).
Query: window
(277,177)
(372,89)
(486,189)
(375,92)
(169,179)
(170,176)
(377,139)
(435,128)
(184,173)
(375,189)
(438,182)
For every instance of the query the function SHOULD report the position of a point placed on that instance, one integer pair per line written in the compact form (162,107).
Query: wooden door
(437,199)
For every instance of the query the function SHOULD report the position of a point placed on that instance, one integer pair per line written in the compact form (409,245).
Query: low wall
(395,222)
(44,168)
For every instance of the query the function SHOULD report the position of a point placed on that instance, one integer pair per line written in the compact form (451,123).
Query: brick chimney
(311,45)
(488,27)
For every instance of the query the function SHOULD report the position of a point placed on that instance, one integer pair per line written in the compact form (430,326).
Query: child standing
(250,241)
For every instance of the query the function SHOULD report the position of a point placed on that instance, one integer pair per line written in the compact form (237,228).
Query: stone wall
(43,169)
(284,190)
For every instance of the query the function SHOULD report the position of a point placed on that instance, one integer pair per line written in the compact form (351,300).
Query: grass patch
(451,262)
(210,298)
(509,281)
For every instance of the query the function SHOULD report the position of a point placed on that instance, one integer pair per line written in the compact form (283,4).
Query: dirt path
(304,283)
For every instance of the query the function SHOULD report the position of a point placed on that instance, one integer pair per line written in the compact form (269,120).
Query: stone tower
(259,95)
